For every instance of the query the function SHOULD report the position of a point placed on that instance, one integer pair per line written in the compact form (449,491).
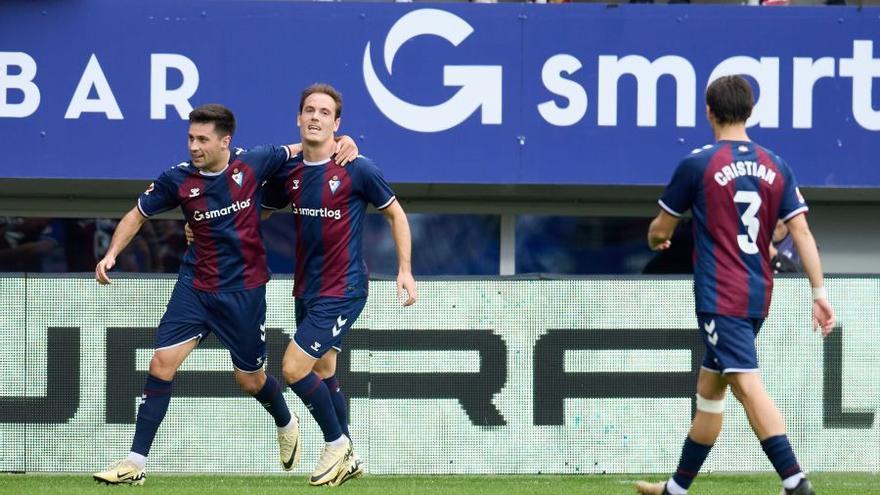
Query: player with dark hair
(222,283)
(737,190)
(330,284)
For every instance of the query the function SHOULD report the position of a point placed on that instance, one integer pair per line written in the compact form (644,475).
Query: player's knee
(746,388)
(324,369)
(161,369)
(294,371)
(249,388)
(250,383)
(711,406)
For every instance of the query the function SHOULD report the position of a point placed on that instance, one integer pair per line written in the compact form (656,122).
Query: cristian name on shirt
(742,168)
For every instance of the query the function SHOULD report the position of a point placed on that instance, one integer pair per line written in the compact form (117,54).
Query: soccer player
(221,287)
(737,190)
(330,284)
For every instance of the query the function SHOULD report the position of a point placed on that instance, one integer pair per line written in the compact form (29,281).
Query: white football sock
(792,481)
(138,459)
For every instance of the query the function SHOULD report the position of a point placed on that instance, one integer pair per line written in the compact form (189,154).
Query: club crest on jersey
(236,176)
(334,184)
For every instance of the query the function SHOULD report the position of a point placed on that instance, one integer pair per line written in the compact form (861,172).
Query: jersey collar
(315,164)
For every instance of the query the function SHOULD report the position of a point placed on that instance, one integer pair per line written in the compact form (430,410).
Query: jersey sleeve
(274,193)
(266,160)
(160,196)
(682,189)
(793,202)
(372,184)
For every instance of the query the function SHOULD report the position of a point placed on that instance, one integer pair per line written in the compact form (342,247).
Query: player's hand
(406,282)
(823,316)
(663,246)
(294,149)
(188,232)
(346,150)
(104,266)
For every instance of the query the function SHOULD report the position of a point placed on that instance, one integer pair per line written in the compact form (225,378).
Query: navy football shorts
(321,322)
(730,343)
(237,318)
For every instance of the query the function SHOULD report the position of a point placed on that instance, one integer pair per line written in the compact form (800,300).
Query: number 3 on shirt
(748,243)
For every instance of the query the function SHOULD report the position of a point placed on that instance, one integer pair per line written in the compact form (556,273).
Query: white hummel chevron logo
(263,332)
(338,326)
(710,329)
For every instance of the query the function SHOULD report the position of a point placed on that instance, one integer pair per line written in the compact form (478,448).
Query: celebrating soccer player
(222,282)
(737,191)
(330,284)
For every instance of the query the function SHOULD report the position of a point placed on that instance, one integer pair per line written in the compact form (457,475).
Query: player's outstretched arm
(403,241)
(125,231)
(660,231)
(823,315)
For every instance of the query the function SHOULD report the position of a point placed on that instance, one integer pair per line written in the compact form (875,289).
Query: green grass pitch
(172,484)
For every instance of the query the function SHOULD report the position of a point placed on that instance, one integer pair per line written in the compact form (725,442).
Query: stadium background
(496,206)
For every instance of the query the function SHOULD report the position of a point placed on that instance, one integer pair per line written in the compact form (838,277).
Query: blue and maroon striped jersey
(223,210)
(737,190)
(329,203)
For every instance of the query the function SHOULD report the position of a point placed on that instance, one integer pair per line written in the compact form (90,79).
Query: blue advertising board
(458,93)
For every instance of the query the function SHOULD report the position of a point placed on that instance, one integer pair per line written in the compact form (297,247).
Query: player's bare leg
(764,417)
(769,427)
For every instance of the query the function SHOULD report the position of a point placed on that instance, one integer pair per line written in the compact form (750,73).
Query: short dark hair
(730,99)
(219,115)
(327,90)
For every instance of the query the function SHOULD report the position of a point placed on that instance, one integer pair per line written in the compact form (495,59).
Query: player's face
(206,148)
(317,121)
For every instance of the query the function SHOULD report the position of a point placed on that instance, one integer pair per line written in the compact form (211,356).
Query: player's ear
(336,124)
(225,141)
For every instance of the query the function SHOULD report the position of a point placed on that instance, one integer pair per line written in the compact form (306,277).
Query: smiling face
(317,120)
(207,148)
